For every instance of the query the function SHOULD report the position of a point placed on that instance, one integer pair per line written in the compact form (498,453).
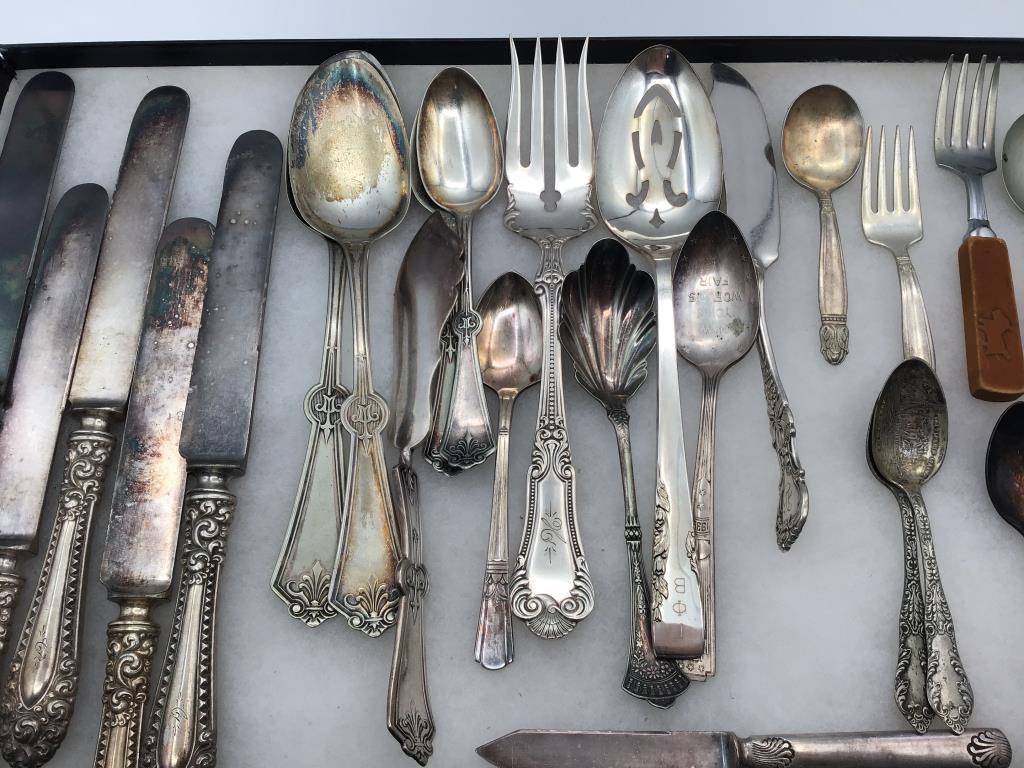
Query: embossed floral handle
(39,696)
(986,748)
(183,725)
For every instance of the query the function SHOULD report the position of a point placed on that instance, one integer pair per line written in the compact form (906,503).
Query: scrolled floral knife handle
(131,641)
(183,728)
(39,696)
(10,587)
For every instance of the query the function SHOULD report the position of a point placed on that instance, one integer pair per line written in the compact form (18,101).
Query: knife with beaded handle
(142,534)
(39,698)
(39,388)
(975,748)
(215,443)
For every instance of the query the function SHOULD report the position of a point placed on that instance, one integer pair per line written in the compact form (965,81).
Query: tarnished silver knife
(39,696)
(27,166)
(428,284)
(39,388)
(978,748)
(215,443)
(145,512)
(753,203)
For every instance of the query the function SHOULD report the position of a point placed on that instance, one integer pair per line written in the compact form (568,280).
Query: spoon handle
(793,496)
(704,526)
(302,576)
(677,615)
(917,335)
(835,336)
(551,553)
(494,630)
(949,690)
(912,663)
(364,587)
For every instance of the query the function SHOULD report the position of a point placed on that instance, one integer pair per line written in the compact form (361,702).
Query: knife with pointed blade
(425,293)
(39,388)
(753,203)
(27,166)
(975,748)
(39,696)
(145,511)
(215,443)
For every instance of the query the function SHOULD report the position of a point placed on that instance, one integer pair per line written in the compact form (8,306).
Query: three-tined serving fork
(995,361)
(896,225)
(550,589)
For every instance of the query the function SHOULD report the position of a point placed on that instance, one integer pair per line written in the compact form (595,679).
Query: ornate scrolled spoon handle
(409,718)
(39,696)
(131,641)
(835,336)
(949,690)
(183,726)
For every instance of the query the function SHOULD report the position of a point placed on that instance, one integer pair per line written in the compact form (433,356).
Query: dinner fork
(995,362)
(551,589)
(894,225)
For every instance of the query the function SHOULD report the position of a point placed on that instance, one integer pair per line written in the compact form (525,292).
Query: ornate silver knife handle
(793,497)
(409,717)
(551,547)
(131,641)
(949,690)
(10,587)
(974,749)
(39,696)
(183,729)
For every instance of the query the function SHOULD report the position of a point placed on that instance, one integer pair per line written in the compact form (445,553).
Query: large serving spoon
(608,328)
(1004,466)
(348,165)
(909,435)
(459,158)
(510,346)
(822,141)
(717,319)
(1013,162)
(659,170)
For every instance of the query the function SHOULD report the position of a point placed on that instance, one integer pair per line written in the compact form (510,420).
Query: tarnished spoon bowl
(509,344)
(1004,466)
(1013,162)
(822,138)
(715,292)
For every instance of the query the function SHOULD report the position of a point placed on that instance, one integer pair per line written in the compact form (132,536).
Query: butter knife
(753,203)
(39,698)
(428,285)
(27,166)
(39,387)
(145,512)
(215,443)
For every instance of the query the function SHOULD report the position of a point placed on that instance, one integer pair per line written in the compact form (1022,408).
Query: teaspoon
(717,312)
(609,330)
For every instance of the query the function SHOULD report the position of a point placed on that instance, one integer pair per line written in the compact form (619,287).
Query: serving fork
(551,589)
(896,226)
(966,146)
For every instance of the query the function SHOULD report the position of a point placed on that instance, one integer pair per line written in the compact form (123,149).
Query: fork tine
(883,174)
(584,128)
(956,138)
(915,198)
(865,183)
(537,113)
(990,109)
(942,107)
(974,116)
(561,113)
(513,153)
(897,175)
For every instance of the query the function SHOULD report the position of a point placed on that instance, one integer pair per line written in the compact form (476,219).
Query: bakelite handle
(995,362)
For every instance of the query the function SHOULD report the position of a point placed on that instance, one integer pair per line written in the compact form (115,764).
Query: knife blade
(426,290)
(142,533)
(710,749)
(753,203)
(39,697)
(215,443)
(39,388)
(27,166)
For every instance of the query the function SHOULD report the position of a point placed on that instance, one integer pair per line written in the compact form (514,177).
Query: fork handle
(834,335)
(917,335)
(995,362)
